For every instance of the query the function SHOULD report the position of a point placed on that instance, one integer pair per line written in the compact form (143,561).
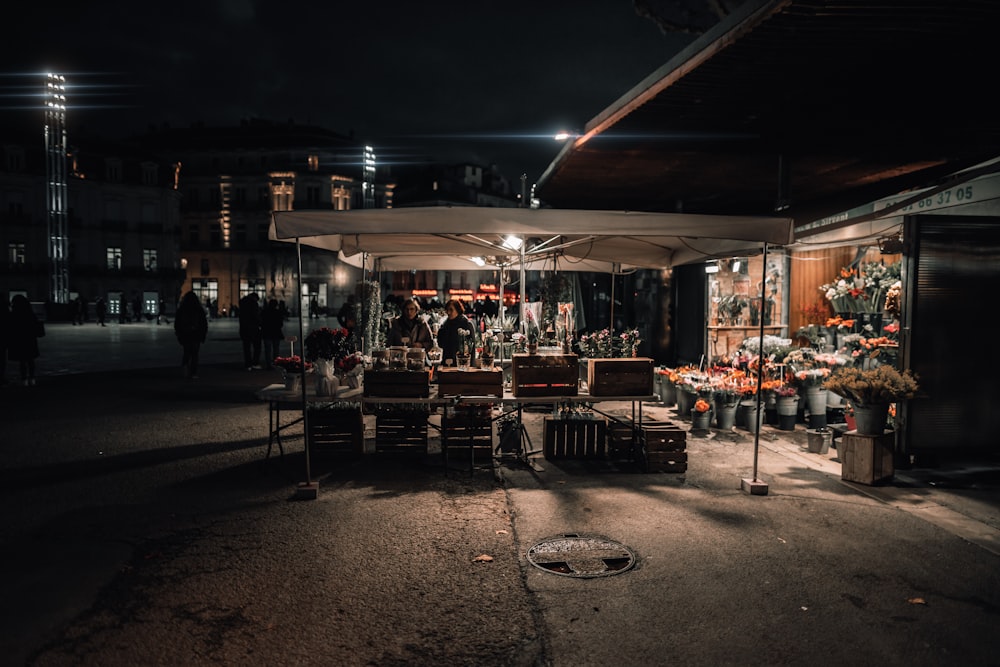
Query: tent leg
(756,487)
(309,489)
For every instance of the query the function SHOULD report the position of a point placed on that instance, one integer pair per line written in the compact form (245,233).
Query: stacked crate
(475,382)
(631,376)
(575,438)
(663,445)
(336,431)
(401,430)
(397,384)
(545,375)
(468,428)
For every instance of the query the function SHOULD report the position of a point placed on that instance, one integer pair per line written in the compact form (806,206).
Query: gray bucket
(819,440)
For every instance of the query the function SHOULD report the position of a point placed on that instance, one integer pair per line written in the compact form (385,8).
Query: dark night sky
(485,82)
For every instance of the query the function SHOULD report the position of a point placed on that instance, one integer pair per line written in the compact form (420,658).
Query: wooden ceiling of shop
(805,108)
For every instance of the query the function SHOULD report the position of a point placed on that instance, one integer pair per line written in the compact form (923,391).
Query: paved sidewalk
(141,526)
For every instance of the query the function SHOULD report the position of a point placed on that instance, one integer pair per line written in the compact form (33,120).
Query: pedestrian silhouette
(23,333)
(250,330)
(271,331)
(191,329)
(102,310)
(4,336)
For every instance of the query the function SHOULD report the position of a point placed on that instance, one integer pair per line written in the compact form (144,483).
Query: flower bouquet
(292,364)
(881,385)
(327,343)
(291,370)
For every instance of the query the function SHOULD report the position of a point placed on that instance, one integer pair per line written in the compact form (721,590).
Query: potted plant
(871,391)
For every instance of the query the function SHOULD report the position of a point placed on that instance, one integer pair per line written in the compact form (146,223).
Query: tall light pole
(56,187)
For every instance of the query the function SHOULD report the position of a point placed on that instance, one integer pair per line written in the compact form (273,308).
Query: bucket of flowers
(701,415)
(291,369)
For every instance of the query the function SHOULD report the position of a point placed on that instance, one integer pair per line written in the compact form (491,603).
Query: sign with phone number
(978,190)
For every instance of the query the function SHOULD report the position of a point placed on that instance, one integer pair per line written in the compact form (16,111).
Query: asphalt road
(141,525)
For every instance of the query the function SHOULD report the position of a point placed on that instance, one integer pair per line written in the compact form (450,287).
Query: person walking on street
(161,312)
(102,310)
(137,309)
(250,330)
(271,331)
(191,329)
(79,311)
(23,334)
(122,309)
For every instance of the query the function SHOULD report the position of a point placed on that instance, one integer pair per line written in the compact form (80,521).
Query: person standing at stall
(191,329)
(23,333)
(410,327)
(449,340)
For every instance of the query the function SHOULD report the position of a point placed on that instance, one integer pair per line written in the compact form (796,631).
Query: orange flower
(701,405)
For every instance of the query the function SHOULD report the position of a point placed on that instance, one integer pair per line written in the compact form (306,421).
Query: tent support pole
(754,486)
(307,490)
(501,311)
(521,305)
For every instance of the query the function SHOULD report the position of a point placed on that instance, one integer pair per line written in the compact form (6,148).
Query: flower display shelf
(545,375)
(631,376)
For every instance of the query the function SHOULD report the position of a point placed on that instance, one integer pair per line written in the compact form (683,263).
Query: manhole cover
(581,556)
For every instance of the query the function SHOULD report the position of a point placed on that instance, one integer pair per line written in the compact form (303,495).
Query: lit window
(114,258)
(149,258)
(16,253)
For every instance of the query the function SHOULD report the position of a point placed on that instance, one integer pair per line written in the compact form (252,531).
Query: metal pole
(760,365)
(302,383)
(521,306)
(615,268)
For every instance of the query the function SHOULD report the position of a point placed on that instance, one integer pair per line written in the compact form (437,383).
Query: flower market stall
(654,240)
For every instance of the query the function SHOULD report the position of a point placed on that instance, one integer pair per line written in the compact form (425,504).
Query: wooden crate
(666,462)
(336,431)
(664,437)
(659,436)
(397,384)
(468,430)
(664,449)
(401,431)
(575,438)
(479,382)
(545,374)
(620,377)
(866,459)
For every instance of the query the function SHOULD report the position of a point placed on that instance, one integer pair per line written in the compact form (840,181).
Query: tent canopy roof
(409,237)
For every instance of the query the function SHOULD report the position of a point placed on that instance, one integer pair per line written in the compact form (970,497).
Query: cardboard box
(397,384)
(545,375)
(632,376)
(477,382)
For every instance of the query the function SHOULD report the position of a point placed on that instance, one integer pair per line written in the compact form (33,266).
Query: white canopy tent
(646,240)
